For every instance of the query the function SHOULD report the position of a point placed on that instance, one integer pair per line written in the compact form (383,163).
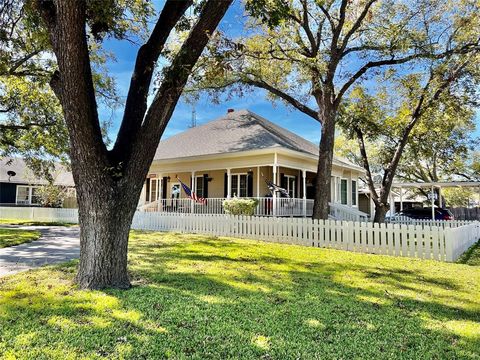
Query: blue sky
(295,121)
(121,70)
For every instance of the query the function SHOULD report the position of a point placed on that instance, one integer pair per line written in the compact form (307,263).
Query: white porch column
(192,203)
(401,199)
(229,184)
(432,195)
(304,185)
(159,190)
(258,181)
(440,201)
(392,203)
(274,195)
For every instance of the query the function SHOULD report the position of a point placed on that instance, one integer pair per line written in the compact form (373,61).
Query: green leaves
(270,12)
(31,119)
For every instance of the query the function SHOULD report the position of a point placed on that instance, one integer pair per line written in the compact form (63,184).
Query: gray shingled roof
(23,175)
(237,131)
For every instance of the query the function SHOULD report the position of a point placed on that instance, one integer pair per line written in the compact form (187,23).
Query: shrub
(51,195)
(240,206)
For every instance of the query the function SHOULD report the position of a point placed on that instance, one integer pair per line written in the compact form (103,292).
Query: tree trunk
(325,159)
(105,217)
(380,212)
(109,183)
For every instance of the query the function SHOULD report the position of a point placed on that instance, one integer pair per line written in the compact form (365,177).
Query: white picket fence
(418,241)
(40,214)
(441,223)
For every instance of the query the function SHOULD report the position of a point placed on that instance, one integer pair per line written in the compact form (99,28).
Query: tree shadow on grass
(211,298)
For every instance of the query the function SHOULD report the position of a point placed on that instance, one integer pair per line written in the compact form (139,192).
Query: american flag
(191,194)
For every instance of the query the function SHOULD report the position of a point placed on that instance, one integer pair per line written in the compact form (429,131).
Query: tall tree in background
(422,105)
(308,54)
(109,182)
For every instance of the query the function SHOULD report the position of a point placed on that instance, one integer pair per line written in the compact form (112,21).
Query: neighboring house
(234,156)
(18,184)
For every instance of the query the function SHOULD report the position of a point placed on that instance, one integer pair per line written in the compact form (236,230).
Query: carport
(432,186)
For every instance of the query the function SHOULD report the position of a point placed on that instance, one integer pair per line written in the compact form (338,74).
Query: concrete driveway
(57,244)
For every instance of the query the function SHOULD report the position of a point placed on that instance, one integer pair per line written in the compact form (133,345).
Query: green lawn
(197,297)
(12,237)
(34,223)
(472,256)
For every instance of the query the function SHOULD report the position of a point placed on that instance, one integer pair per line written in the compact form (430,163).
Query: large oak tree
(309,54)
(427,119)
(109,181)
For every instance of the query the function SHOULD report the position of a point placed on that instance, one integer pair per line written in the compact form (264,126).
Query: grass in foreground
(34,223)
(200,297)
(12,237)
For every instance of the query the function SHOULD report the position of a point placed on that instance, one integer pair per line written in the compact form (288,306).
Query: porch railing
(347,213)
(290,207)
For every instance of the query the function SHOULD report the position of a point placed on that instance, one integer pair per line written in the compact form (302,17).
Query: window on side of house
(23,195)
(354,192)
(199,186)
(343,191)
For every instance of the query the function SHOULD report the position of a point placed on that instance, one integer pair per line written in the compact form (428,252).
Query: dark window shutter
(147,192)
(164,187)
(296,192)
(225,185)
(250,184)
(205,185)
(283,181)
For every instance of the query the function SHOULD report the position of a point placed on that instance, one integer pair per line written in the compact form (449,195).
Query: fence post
(448,244)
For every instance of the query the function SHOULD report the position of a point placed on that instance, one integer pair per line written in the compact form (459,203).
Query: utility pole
(194,118)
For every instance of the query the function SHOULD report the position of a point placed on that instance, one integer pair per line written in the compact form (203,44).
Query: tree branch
(19,62)
(366,164)
(328,17)
(357,24)
(136,104)
(372,64)
(66,23)
(26,126)
(174,80)
(288,98)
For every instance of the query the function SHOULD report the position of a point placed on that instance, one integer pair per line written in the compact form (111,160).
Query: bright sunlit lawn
(12,237)
(34,223)
(200,297)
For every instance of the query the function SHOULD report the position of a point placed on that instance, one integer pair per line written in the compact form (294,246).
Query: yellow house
(235,155)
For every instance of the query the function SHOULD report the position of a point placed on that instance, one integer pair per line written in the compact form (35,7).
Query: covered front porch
(162,191)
